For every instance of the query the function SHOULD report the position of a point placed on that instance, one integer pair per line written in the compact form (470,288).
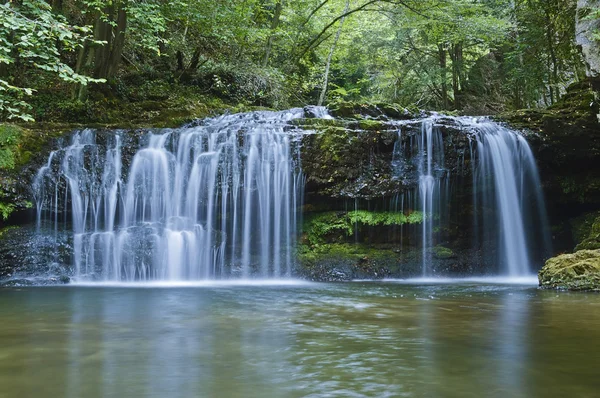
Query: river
(476,338)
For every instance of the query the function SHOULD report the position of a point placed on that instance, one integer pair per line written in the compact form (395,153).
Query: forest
(75,60)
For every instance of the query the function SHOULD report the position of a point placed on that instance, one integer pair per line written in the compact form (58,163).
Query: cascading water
(432,175)
(506,175)
(505,184)
(216,200)
(222,199)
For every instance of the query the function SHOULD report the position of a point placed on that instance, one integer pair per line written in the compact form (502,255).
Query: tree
(32,36)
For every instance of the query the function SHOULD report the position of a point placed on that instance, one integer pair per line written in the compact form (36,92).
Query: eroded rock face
(577,271)
(585,29)
(354,158)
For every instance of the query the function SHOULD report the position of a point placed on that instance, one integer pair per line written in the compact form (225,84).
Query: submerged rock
(578,271)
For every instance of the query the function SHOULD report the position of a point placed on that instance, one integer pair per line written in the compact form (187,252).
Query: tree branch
(357,9)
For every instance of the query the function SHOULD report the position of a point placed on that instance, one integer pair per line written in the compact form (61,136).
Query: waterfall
(507,178)
(432,174)
(215,200)
(222,198)
(507,200)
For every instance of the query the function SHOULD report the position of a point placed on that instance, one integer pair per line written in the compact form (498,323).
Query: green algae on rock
(577,271)
(442,252)
(592,242)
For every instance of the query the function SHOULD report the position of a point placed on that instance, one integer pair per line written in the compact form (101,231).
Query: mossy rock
(343,262)
(592,242)
(318,124)
(581,226)
(578,271)
(354,110)
(442,253)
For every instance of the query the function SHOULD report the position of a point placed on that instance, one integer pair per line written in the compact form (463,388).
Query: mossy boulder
(381,111)
(577,271)
(592,242)
(343,261)
(442,253)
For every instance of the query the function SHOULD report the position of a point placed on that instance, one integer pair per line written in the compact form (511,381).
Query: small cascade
(432,174)
(215,200)
(506,194)
(506,179)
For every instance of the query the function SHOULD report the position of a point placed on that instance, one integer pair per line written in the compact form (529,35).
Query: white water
(223,199)
(505,177)
(223,283)
(212,201)
(431,176)
(527,280)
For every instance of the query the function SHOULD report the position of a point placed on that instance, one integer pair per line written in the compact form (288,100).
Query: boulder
(578,271)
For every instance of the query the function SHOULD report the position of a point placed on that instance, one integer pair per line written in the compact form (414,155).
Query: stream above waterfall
(376,339)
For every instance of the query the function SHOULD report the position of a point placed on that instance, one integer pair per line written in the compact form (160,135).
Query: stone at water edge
(577,271)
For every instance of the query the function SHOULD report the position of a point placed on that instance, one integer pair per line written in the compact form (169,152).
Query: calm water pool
(364,339)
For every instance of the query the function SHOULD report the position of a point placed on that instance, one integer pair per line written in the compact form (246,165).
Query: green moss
(442,253)
(6,230)
(592,241)
(319,124)
(337,226)
(372,125)
(134,102)
(581,226)
(354,254)
(10,137)
(578,271)
(358,111)
(6,209)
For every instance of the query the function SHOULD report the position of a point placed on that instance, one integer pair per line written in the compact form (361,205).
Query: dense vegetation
(71,60)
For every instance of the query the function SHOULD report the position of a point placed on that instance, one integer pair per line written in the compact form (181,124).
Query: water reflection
(363,340)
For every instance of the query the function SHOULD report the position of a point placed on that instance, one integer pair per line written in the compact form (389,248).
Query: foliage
(9,138)
(6,209)
(31,35)
(341,224)
(471,55)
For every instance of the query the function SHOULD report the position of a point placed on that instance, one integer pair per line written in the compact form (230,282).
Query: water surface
(387,339)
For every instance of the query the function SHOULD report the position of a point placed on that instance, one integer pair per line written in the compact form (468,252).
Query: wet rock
(578,271)
(442,253)
(565,139)
(381,111)
(40,258)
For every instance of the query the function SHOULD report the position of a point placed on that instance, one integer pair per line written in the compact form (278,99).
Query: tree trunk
(331,51)
(274,25)
(180,60)
(118,44)
(195,62)
(443,73)
(57,5)
(457,59)
(111,30)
